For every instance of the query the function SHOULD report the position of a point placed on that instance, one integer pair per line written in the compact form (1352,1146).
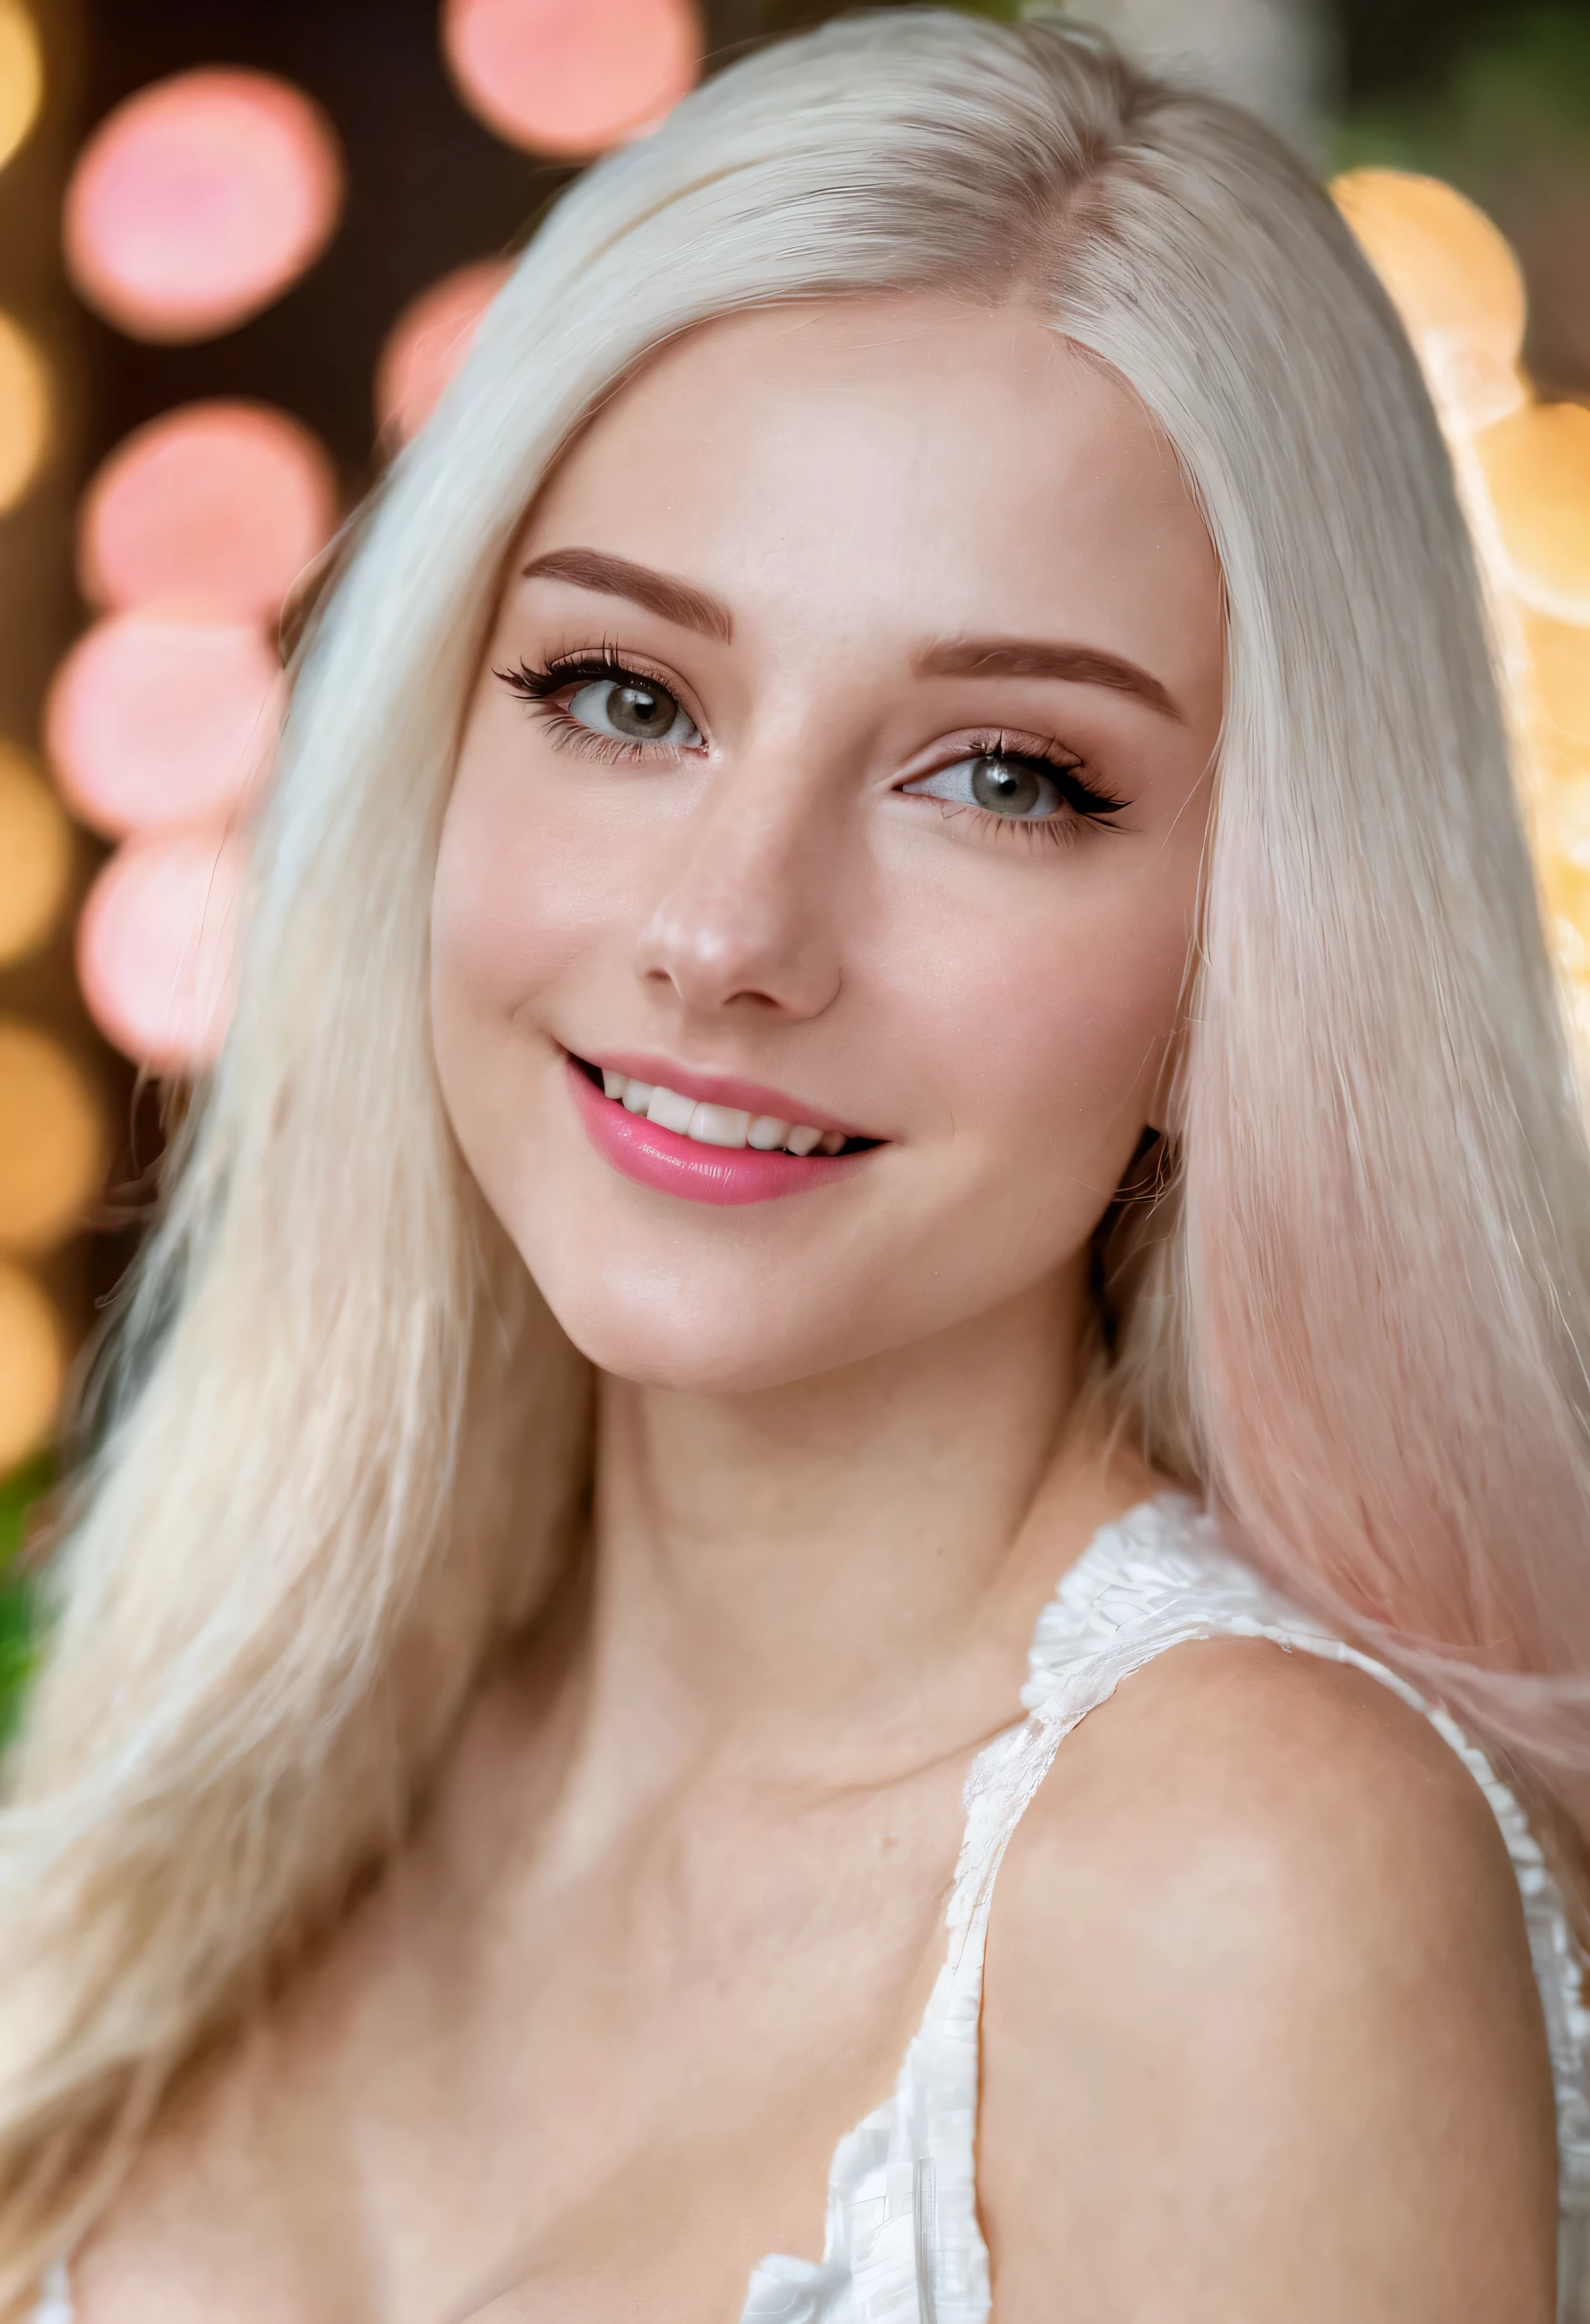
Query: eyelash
(1086,803)
(538,686)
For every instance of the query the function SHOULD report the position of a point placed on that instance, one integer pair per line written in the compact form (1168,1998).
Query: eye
(630,708)
(1016,788)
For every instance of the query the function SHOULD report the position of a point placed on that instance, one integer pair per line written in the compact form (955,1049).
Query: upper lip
(718,1089)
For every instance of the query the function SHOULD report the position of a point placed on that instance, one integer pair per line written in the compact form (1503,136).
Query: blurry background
(241,245)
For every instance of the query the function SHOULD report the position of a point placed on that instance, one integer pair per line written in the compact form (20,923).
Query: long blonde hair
(1357,1315)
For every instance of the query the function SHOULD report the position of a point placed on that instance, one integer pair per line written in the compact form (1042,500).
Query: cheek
(515,906)
(1056,1016)
(514,918)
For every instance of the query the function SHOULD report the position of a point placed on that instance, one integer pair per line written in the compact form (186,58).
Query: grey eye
(1010,787)
(633,709)
(1001,786)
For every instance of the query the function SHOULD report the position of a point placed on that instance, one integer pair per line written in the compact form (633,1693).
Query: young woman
(892,963)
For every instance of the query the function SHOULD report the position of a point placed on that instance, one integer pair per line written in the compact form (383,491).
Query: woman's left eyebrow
(1033,658)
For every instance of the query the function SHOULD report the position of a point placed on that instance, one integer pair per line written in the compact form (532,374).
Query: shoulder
(1261,2034)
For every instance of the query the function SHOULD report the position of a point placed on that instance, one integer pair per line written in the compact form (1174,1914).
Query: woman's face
(838,763)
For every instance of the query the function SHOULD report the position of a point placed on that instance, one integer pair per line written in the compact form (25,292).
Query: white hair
(1353,1310)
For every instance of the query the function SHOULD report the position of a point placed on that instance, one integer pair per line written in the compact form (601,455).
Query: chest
(604,2092)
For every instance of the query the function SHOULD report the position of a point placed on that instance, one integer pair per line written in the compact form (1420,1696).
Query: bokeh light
(1559,656)
(216,506)
(22,77)
(155,947)
(1537,466)
(151,720)
(1570,820)
(33,1366)
(199,201)
(25,412)
(1454,282)
(52,1155)
(428,342)
(1523,470)
(36,853)
(571,77)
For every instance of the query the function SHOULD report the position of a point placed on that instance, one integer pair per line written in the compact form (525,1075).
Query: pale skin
(1260,2038)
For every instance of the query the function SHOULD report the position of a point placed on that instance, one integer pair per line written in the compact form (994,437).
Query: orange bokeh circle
(1454,280)
(571,77)
(53,1155)
(1559,666)
(27,411)
(218,506)
(155,946)
(33,1365)
(36,857)
(22,77)
(199,201)
(153,720)
(1536,465)
(428,342)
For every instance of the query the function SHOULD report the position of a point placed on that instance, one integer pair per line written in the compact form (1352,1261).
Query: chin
(730,1338)
(690,1355)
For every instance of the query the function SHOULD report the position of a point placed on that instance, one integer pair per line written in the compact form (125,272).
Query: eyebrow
(1030,658)
(616,577)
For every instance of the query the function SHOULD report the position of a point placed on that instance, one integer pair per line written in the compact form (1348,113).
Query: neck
(846,1567)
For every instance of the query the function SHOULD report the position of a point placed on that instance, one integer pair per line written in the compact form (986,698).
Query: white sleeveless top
(903,2244)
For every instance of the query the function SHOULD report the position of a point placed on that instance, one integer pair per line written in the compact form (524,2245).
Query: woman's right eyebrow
(615,576)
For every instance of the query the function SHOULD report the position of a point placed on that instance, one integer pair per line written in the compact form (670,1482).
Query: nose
(749,916)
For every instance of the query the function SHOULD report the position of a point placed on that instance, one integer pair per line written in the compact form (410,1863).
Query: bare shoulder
(1260,2031)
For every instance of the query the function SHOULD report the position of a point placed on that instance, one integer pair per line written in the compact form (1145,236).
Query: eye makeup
(643,709)
(1039,794)
(1011,786)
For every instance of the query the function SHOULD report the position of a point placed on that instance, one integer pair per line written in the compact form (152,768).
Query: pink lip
(673,1165)
(722,1089)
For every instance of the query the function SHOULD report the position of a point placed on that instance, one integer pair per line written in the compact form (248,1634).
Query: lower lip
(682,1165)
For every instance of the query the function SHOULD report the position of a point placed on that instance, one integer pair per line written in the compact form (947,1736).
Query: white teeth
(717,1125)
(670,1111)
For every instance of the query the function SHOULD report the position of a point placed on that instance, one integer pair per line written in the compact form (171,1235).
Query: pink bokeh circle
(428,342)
(199,201)
(218,507)
(151,720)
(155,947)
(571,77)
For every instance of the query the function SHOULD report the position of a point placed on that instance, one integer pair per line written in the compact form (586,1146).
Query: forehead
(910,456)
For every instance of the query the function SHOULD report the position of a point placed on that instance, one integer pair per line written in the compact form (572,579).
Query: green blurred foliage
(1516,100)
(19,1494)
(1507,122)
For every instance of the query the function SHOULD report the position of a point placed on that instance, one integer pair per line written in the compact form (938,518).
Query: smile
(702,1149)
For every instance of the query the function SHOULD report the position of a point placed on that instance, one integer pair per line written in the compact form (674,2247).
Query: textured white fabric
(903,2240)
(902,2244)
(56,2306)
